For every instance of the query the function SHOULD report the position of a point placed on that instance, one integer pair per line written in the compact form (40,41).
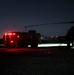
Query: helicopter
(69,37)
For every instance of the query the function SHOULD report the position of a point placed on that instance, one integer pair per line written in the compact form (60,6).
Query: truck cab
(21,39)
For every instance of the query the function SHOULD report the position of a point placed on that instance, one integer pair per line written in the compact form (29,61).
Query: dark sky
(16,14)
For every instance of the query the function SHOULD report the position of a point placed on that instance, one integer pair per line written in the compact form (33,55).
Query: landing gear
(70,44)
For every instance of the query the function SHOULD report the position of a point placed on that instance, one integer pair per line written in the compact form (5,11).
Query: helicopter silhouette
(69,37)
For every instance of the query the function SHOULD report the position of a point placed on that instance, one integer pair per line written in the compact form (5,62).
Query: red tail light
(18,36)
(13,33)
(9,33)
(5,33)
(11,41)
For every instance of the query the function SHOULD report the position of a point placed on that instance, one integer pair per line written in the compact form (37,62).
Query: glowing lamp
(5,33)
(18,36)
(11,41)
(9,33)
(13,33)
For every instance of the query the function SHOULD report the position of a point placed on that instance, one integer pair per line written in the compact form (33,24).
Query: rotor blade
(71,22)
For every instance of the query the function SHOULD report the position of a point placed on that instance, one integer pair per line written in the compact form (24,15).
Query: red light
(5,33)
(11,42)
(13,33)
(9,33)
(18,36)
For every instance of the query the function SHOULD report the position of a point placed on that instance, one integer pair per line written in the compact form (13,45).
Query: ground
(54,61)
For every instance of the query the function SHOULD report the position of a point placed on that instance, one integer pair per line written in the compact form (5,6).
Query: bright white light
(51,45)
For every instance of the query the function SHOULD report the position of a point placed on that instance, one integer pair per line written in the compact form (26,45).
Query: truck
(21,39)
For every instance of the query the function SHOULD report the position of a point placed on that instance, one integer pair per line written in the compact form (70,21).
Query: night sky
(16,14)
